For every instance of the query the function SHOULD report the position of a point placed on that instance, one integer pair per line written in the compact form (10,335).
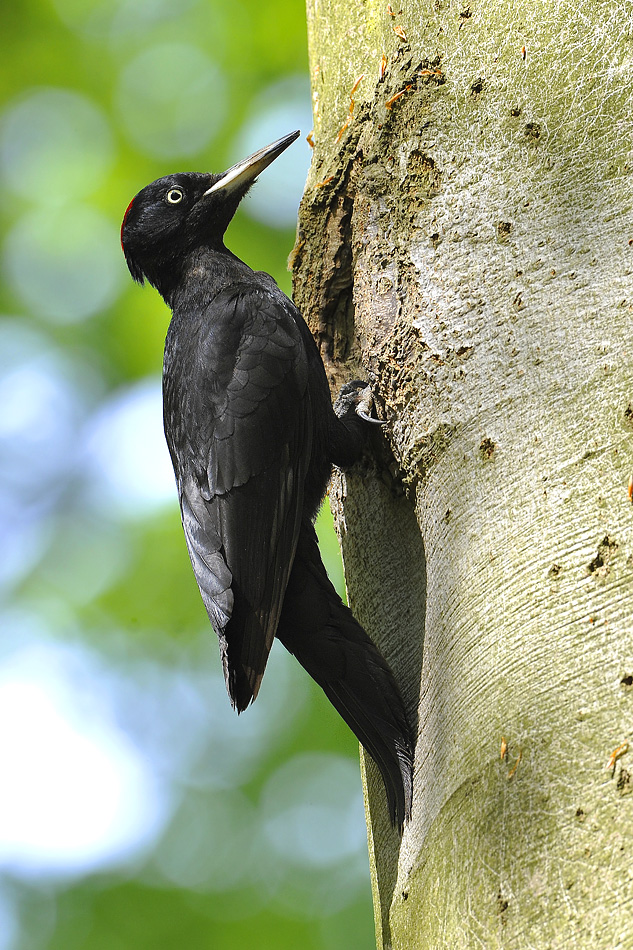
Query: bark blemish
(532,130)
(422,168)
(623,783)
(600,565)
(487,448)
(502,903)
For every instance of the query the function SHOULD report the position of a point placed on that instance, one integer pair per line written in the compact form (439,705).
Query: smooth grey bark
(466,243)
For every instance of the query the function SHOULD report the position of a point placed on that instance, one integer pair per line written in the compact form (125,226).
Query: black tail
(321,632)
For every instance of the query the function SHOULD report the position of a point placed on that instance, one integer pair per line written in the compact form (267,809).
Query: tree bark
(466,243)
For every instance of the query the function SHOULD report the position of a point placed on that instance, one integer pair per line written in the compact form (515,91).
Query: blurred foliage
(99,98)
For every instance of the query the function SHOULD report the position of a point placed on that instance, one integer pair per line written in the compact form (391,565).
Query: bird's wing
(247,417)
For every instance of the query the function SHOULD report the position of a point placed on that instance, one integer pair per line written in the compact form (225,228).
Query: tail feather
(393,758)
(334,649)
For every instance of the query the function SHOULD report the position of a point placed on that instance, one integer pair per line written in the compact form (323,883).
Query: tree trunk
(466,243)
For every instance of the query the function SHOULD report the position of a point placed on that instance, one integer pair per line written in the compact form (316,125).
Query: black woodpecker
(253,435)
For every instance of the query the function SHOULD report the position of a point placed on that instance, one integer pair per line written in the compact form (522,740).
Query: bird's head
(176,214)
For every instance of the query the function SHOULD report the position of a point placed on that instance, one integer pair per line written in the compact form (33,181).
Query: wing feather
(238,424)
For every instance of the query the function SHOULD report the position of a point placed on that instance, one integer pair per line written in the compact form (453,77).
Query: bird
(253,436)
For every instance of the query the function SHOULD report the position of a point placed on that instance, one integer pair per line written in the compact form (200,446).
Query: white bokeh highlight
(76,794)
(127,454)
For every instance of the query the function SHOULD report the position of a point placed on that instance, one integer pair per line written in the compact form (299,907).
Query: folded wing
(240,436)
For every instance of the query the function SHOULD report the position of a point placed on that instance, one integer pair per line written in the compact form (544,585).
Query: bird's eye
(174,196)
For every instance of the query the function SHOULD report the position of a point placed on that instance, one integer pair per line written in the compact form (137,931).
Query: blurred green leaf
(79,571)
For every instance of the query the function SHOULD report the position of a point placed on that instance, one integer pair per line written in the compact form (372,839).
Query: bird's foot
(356,397)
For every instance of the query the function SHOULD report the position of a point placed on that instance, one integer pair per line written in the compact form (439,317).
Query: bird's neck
(205,273)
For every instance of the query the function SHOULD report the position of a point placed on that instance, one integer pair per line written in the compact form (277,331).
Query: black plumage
(253,436)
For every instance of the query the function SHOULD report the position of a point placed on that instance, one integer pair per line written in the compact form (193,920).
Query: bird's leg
(352,411)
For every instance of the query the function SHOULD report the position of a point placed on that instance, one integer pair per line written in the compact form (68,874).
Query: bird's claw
(366,418)
(356,397)
(365,405)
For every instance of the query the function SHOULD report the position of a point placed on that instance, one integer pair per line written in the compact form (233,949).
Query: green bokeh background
(119,585)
